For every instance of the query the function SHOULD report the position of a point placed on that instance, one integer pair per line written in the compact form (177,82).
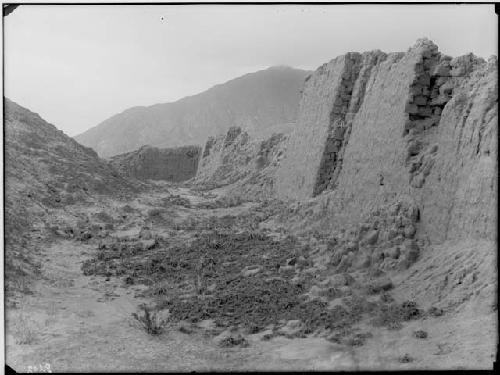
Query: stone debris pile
(385,240)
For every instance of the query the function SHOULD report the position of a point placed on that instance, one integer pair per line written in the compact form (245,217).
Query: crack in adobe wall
(370,60)
(347,103)
(337,126)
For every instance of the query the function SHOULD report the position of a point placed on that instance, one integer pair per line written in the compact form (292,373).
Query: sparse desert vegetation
(151,321)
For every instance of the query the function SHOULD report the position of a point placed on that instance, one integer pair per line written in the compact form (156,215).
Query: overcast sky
(78,65)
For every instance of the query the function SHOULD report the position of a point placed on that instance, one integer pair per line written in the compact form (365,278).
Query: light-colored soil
(84,323)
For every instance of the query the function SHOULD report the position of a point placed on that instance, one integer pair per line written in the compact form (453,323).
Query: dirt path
(83,323)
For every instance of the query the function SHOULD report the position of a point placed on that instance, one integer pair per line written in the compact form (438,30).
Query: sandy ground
(83,323)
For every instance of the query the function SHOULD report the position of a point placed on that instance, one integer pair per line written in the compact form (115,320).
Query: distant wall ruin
(226,158)
(170,164)
(236,158)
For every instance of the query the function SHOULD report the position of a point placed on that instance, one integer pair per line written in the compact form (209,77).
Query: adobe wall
(460,193)
(298,170)
(170,164)
(235,158)
(225,158)
(416,126)
(374,171)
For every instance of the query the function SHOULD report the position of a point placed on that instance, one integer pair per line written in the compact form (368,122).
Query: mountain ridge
(253,101)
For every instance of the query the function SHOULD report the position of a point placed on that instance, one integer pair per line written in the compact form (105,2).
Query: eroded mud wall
(234,157)
(225,158)
(373,169)
(170,164)
(416,126)
(331,99)
(460,194)
(297,174)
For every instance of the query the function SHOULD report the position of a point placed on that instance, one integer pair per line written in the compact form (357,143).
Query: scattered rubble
(406,358)
(384,240)
(420,334)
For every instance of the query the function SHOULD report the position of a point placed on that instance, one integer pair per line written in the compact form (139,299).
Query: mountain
(255,102)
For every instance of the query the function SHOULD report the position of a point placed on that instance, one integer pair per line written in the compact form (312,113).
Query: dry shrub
(232,341)
(153,322)
(159,289)
(392,315)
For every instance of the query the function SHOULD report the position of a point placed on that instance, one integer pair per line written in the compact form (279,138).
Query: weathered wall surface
(295,177)
(417,126)
(235,158)
(225,158)
(374,170)
(170,164)
(331,99)
(459,198)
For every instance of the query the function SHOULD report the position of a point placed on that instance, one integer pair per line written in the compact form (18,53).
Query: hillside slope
(254,102)
(46,170)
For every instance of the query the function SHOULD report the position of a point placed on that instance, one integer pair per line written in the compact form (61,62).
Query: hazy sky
(78,65)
